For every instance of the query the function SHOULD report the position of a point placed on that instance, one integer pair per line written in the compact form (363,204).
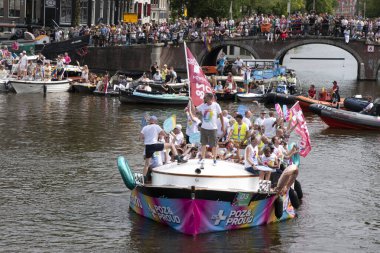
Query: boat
(225,96)
(305,102)
(249,97)
(4,87)
(87,88)
(355,104)
(197,198)
(336,118)
(137,96)
(274,97)
(110,92)
(27,86)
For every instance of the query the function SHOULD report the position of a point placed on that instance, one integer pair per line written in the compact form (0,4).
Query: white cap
(178,126)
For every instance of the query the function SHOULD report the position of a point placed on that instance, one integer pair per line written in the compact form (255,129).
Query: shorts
(253,171)
(209,137)
(150,149)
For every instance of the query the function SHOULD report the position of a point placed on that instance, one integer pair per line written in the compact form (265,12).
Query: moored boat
(86,88)
(335,118)
(305,102)
(40,86)
(273,97)
(194,198)
(135,96)
(249,97)
(225,96)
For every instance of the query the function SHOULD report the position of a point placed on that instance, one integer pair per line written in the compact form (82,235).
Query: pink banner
(279,110)
(296,114)
(199,85)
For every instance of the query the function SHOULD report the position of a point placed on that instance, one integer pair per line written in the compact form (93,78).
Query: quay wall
(134,58)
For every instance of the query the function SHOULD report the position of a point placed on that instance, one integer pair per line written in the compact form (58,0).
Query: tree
(372,8)
(322,6)
(76,13)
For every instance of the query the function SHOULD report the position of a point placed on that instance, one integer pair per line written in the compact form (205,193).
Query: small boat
(110,93)
(197,198)
(87,88)
(137,96)
(355,104)
(225,96)
(274,97)
(249,97)
(305,102)
(4,86)
(336,118)
(26,86)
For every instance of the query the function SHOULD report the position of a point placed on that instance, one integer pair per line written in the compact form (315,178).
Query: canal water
(60,190)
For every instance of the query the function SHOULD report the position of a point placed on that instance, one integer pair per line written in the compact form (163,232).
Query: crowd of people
(272,27)
(232,136)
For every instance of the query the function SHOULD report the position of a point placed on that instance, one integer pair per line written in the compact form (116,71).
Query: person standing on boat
(270,125)
(60,67)
(260,120)
(67,58)
(210,111)
(335,94)
(150,135)
(23,65)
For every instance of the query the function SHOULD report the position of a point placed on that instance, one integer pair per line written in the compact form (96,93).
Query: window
(83,11)
(66,11)
(1,8)
(14,8)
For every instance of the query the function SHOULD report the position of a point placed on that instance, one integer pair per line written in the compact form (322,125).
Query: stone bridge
(141,57)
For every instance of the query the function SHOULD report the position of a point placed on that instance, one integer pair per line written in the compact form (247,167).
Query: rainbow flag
(169,123)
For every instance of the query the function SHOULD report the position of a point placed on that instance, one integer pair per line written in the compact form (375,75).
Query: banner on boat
(295,116)
(195,216)
(199,85)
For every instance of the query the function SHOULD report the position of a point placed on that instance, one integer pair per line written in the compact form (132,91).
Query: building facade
(23,13)
(346,8)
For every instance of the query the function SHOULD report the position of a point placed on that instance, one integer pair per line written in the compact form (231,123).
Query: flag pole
(187,66)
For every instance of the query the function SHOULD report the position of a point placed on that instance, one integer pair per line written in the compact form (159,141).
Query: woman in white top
(85,73)
(251,157)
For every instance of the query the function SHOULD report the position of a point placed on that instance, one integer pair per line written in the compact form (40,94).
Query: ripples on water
(60,189)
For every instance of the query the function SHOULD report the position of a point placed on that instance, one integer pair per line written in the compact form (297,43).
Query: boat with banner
(197,198)
(137,96)
(27,86)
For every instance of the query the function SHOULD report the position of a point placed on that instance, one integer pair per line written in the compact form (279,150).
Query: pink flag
(199,85)
(296,115)
(279,110)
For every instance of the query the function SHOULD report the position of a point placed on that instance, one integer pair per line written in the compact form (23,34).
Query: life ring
(294,198)
(296,157)
(278,207)
(126,173)
(298,189)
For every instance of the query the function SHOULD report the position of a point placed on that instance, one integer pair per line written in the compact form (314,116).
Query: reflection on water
(60,189)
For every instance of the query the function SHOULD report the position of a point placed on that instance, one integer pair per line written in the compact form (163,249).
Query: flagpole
(187,66)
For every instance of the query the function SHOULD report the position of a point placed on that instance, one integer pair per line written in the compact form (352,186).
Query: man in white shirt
(247,119)
(259,121)
(222,134)
(150,134)
(239,64)
(210,111)
(270,125)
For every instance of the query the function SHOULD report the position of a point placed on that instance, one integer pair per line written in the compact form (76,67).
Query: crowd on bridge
(269,27)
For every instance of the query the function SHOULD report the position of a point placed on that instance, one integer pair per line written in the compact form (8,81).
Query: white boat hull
(23,86)
(248,97)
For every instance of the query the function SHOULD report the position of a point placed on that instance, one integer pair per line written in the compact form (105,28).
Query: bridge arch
(284,50)
(210,57)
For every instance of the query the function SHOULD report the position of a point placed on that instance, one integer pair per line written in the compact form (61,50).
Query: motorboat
(249,97)
(198,198)
(146,97)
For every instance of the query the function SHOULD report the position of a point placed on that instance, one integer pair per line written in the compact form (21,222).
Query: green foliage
(373,8)
(322,6)
(240,8)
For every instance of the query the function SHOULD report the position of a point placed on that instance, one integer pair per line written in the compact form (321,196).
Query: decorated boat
(305,102)
(40,86)
(335,118)
(197,198)
(137,96)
